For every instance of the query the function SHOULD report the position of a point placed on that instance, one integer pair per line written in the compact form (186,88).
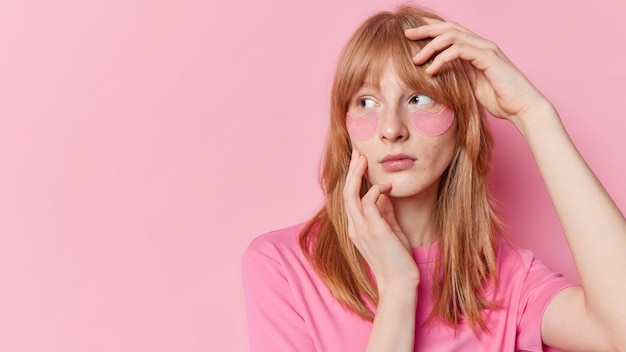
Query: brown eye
(366,103)
(421,99)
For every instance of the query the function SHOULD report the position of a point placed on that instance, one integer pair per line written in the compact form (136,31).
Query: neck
(415,216)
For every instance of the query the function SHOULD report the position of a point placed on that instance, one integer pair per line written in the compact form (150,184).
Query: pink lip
(397,162)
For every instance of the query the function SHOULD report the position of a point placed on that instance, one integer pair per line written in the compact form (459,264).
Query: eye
(366,103)
(421,99)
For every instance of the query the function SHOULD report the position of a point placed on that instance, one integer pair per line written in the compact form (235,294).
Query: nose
(393,127)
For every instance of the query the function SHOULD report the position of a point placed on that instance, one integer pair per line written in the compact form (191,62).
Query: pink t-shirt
(290,309)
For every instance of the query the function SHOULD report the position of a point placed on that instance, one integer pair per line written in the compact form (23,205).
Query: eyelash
(429,99)
(360,102)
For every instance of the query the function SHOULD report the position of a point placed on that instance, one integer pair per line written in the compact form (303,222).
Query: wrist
(541,115)
(400,302)
(398,293)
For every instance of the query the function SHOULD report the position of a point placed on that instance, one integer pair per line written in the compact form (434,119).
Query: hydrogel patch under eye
(362,128)
(432,125)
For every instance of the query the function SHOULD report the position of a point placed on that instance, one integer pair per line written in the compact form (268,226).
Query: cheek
(433,124)
(363,128)
(443,150)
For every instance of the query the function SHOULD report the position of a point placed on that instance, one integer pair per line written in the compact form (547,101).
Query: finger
(351,230)
(386,211)
(358,165)
(469,71)
(353,158)
(479,58)
(354,161)
(449,37)
(370,200)
(432,29)
(386,208)
(419,32)
(352,189)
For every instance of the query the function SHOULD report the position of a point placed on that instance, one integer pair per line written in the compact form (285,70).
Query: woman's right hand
(373,228)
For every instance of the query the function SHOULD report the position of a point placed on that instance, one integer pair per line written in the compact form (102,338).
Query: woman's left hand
(499,86)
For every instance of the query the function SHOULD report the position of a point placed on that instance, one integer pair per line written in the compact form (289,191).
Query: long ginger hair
(463,214)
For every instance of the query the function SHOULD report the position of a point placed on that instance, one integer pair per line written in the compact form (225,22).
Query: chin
(406,189)
(404,193)
(406,185)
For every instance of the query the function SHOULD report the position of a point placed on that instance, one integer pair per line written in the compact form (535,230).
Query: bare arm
(596,233)
(591,317)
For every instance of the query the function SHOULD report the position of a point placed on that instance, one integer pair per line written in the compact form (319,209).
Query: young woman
(406,254)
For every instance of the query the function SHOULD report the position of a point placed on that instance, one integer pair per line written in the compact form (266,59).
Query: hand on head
(499,86)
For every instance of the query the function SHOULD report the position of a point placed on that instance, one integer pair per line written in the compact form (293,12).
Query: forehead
(387,80)
(395,74)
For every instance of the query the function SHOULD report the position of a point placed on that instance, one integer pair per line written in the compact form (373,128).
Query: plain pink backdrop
(143,144)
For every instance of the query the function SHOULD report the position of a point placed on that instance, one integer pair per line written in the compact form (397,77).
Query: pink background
(143,144)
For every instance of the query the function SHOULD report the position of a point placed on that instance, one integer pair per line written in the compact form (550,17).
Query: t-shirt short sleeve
(274,323)
(539,287)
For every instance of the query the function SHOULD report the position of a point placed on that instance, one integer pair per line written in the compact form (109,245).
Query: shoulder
(513,267)
(526,287)
(512,259)
(522,263)
(277,243)
(277,286)
(277,250)
(524,277)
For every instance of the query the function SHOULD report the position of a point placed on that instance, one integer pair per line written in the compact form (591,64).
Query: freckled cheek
(362,128)
(433,125)
(442,152)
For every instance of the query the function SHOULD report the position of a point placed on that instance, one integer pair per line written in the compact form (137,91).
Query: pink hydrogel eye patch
(362,128)
(430,124)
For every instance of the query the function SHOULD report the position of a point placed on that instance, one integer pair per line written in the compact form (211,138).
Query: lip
(397,162)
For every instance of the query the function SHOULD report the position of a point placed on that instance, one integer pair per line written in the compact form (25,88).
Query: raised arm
(591,317)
